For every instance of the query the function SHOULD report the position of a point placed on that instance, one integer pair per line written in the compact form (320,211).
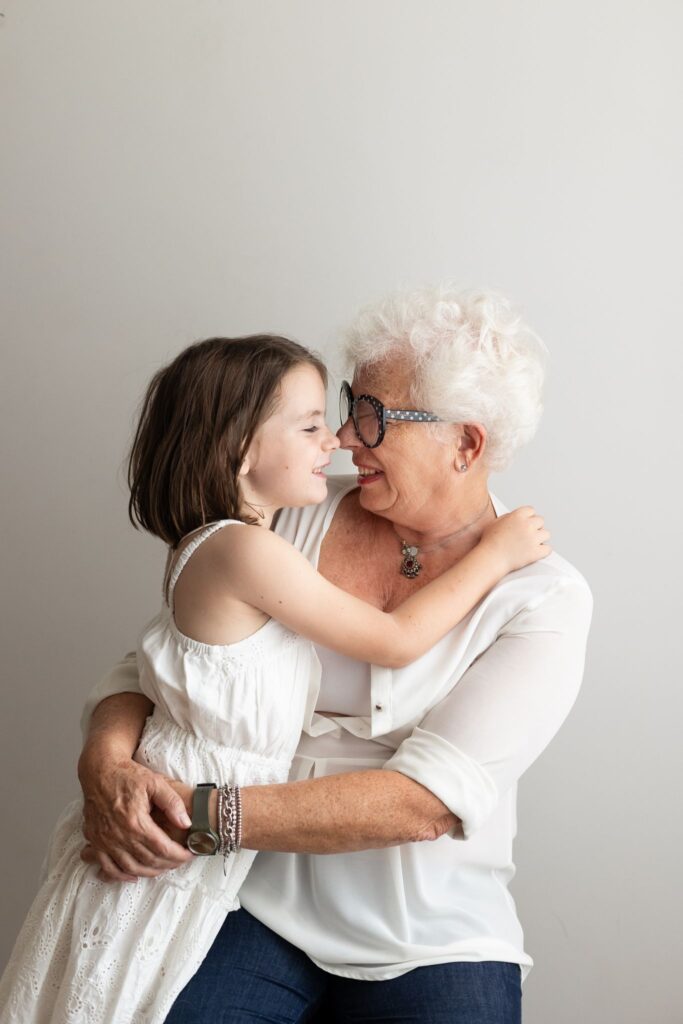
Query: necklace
(410,566)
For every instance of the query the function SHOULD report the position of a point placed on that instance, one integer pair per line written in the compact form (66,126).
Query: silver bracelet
(238,816)
(229,807)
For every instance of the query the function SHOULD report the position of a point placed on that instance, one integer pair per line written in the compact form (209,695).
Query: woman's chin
(373,497)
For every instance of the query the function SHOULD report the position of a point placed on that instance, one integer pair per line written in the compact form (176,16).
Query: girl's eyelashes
(310,430)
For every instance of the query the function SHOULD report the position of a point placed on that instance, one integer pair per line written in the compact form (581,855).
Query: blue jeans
(250,974)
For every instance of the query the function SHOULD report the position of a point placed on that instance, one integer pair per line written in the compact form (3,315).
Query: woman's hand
(517,538)
(186,793)
(121,801)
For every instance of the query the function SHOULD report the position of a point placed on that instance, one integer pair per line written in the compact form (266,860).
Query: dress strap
(174,569)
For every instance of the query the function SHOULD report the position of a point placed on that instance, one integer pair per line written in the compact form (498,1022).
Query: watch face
(202,844)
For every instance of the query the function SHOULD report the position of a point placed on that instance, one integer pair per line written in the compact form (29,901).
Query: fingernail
(185,819)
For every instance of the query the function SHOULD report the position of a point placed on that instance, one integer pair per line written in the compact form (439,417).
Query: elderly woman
(406,777)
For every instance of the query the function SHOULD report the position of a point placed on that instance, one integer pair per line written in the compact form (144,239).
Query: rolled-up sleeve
(504,710)
(122,678)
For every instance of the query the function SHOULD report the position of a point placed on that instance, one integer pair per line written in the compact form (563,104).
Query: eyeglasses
(370,417)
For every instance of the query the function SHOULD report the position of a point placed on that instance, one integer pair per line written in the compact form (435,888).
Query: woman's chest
(364,557)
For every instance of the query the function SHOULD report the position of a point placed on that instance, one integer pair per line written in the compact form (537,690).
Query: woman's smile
(368,475)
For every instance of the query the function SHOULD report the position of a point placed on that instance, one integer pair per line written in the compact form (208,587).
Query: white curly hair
(474,358)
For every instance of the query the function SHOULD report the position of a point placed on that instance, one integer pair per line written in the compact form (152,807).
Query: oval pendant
(410,566)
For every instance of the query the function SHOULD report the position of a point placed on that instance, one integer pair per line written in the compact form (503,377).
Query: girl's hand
(517,538)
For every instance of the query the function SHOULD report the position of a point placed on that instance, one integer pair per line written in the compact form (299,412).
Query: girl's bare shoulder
(229,548)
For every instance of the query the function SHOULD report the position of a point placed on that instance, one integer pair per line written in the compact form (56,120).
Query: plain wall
(171,171)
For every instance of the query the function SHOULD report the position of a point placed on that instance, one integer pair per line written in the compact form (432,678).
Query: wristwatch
(201,839)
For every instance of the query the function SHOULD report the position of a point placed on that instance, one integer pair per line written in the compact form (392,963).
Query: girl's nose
(331,441)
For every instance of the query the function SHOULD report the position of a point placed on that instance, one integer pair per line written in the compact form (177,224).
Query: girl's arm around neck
(265,572)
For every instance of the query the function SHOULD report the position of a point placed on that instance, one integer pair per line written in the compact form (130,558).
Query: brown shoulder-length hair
(198,418)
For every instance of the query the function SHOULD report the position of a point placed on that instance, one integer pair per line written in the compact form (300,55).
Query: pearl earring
(463,468)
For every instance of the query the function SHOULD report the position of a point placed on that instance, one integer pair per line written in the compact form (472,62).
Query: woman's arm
(364,810)
(449,774)
(266,572)
(120,794)
(121,797)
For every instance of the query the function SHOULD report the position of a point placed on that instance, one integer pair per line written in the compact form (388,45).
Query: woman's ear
(471,445)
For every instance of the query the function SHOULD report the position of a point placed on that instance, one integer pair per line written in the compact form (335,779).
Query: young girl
(230,432)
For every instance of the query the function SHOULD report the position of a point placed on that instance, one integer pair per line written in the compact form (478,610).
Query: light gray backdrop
(172,170)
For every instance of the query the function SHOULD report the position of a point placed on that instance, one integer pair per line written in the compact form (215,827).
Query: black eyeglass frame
(383,414)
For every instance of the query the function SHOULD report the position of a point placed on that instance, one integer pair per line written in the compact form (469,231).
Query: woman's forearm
(120,796)
(361,810)
(352,811)
(115,728)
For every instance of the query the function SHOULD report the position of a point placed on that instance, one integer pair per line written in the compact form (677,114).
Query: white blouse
(465,720)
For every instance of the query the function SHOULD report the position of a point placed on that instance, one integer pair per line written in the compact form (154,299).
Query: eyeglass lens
(367,421)
(365,416)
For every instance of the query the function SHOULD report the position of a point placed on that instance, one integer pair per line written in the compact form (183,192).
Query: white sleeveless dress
(119,953)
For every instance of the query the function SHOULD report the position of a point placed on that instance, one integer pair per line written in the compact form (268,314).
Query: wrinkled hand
(123,803)
(186,793)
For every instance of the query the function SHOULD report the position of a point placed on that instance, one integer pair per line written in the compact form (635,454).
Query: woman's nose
(347,436)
